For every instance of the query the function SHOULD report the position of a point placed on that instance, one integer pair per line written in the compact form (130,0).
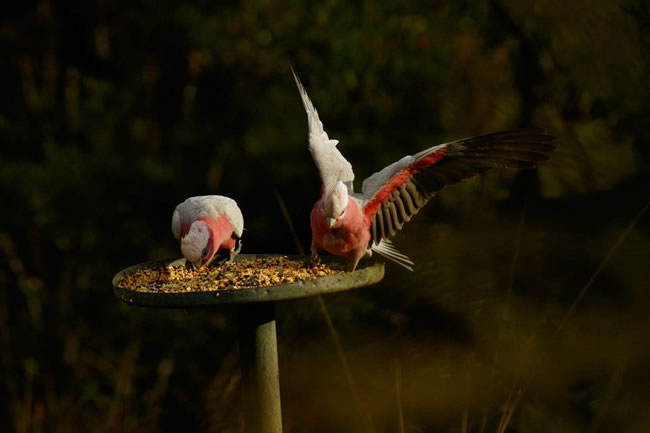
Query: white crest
(336,200)
(195,241)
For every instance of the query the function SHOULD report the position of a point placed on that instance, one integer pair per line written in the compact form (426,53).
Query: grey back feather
(207,205)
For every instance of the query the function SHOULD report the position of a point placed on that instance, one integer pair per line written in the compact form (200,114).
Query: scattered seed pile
(259,272)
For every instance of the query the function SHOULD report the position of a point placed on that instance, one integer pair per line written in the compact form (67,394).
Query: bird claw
(237,248)
(355,262)
(234,252)
(315,258)
(218,262)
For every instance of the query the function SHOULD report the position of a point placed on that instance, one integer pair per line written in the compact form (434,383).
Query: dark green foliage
(113,112)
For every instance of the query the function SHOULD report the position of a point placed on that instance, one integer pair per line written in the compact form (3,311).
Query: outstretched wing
(396,193)
(332,166)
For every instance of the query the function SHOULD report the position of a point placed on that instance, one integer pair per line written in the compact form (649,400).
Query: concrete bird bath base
(257,334)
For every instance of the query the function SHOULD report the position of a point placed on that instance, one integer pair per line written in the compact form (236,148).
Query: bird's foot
(237,249)
(315,258)
(232,253)
(222,257)
(218,262)
(355,262)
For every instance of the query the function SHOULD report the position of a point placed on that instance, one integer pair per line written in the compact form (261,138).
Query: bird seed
(248,273)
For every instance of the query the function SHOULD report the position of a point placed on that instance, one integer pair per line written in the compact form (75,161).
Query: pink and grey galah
(354,225)
(206,224)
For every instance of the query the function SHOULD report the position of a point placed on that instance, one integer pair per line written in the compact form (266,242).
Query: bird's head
(196,245)
(335,203)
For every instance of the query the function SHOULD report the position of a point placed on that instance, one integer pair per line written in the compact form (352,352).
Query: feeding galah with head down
(354,225)
(206,224)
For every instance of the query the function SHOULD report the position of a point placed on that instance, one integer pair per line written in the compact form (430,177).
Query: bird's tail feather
(386,249)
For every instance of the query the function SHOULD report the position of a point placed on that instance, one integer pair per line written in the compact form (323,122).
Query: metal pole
(258,349)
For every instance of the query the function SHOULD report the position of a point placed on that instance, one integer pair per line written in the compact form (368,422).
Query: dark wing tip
(462,159)
(524,145)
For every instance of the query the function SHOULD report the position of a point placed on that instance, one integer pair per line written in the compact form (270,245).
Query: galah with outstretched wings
(206,224)
(354,225)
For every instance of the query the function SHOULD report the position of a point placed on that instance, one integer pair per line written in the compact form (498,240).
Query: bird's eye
(205,252)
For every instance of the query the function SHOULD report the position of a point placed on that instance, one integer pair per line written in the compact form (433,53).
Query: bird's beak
(330,222)
(197,264)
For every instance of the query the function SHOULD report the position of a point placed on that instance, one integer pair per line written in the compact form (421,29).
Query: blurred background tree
(114,112)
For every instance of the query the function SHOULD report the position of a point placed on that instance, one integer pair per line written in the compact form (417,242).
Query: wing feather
(385,248)
(214,206)
(393,195)
(331,164)
(176,224)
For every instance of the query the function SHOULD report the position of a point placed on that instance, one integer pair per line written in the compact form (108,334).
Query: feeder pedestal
(258,348)
(257,334)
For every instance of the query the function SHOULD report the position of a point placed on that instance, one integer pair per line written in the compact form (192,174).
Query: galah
(206,224)
(354,225)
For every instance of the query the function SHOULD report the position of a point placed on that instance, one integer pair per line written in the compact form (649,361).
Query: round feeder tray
(367,273)
(257,334)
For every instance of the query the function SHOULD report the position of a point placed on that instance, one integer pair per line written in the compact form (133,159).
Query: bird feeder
(257,330)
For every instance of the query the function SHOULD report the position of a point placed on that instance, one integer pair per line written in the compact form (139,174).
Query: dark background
(111,113)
